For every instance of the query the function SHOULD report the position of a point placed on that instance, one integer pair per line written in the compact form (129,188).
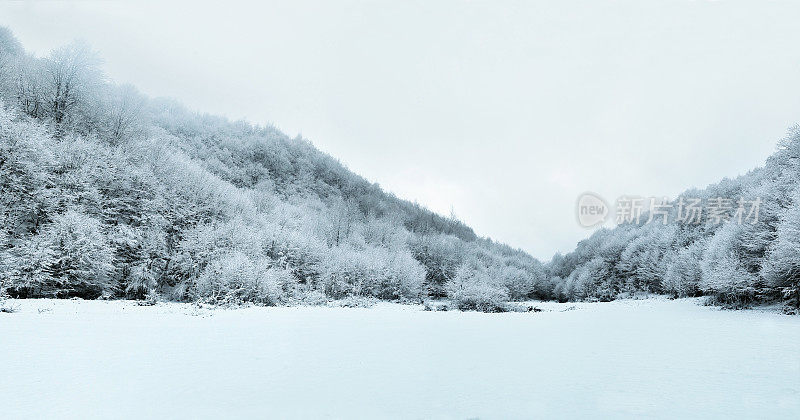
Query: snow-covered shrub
(4,298)
(355,302)
(373,271)
(520,282)
(150,299)
(258,239)
(398,276)
(313,297)
(5,307)
(474,289)
(234,279)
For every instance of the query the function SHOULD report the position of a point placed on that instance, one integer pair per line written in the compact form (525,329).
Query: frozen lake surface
(653,358)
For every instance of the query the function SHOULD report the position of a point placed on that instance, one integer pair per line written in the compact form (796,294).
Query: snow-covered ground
(651,358)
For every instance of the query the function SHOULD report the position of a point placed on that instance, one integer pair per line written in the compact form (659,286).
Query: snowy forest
(110,194)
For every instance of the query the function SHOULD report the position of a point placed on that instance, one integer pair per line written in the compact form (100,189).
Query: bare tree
(125,106)
(71,74)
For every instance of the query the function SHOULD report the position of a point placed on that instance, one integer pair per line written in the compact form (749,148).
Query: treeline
(107,193)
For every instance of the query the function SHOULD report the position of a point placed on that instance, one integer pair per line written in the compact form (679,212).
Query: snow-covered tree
(83,257)
(73,77)
(726,274)
(782,266)
(683,272)
(27,268)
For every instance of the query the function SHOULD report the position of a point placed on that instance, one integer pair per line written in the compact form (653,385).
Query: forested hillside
(738,259)
(107,193)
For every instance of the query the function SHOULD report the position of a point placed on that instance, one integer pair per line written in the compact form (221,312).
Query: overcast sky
(504,111)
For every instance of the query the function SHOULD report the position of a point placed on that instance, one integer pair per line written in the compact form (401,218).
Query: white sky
(506,111)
